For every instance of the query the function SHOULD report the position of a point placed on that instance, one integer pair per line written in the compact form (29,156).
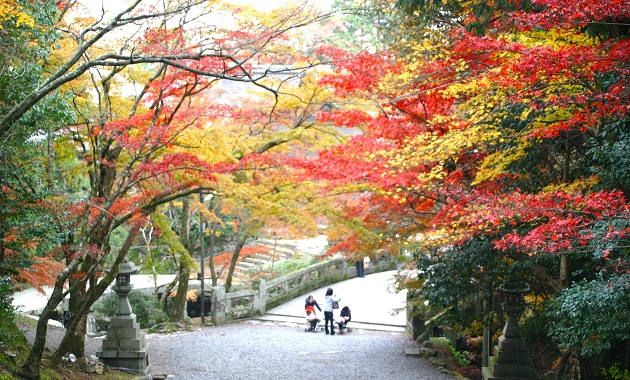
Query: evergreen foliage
(146,308)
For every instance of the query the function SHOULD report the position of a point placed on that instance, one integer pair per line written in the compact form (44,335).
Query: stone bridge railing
(248,303)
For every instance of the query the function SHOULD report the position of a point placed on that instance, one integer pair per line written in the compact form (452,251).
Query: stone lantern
(123,286)
(124,346)
(511,360)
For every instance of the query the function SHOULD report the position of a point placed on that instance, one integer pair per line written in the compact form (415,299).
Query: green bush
(462,358)
(145,307)
(616,373)
(8,332)
(592,316)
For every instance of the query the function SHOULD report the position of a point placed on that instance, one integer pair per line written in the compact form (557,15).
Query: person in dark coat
(345,316)
(310,301)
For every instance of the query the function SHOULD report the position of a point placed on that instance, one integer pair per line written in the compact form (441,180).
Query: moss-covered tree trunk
(213,272)
(178,311)
(32,364)
(167,292)
(179,301)
(235,254)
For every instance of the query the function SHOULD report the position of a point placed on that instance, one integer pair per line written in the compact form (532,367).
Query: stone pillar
(511,358)
(262,291)
(124,346)
(485,350)
(218,305)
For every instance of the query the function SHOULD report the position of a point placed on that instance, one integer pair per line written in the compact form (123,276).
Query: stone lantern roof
(128,267)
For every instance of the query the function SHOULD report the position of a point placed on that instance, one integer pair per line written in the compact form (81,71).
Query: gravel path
(272,351)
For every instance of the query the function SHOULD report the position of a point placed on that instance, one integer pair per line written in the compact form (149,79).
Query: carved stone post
(262,290)
(218,305)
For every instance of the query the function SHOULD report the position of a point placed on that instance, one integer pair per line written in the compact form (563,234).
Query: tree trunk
(32,364)
(213,273)
(74,338)
(3,270)
(627,356)
(562,365)
(179,301)
(564,270)
(235,254)
(73,341)
(167,292)
(567,159)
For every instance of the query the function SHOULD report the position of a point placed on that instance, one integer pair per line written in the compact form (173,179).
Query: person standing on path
(360,268)
(328,311)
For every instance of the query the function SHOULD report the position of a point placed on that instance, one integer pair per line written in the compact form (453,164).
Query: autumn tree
(498,125)
(126,143)
(27,235)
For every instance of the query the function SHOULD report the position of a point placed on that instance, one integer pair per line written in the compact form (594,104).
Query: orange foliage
(42,273)
(247,251)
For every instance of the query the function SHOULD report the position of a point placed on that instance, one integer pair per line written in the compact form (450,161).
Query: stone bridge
(270,294)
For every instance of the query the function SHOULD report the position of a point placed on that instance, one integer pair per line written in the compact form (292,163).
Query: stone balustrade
(243,304)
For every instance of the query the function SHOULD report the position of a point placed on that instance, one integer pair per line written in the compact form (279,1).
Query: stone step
(256,261)
(287,249)
(277,243)
(246,264)
(246,267)
(277,256)
(284,250)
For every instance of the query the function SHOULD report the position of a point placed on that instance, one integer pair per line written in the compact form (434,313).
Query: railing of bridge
(243,304)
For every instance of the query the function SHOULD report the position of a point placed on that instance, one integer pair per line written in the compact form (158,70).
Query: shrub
(592,316)
(461,358)
(616,373)
(8,332)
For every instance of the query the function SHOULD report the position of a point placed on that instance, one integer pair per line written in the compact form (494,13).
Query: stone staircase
(250,265)
(276,251)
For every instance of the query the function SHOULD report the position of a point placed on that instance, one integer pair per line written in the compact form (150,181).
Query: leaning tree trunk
(74,339)
(213,273)
(235,254)
(562,364)
(32,364)
(167,292)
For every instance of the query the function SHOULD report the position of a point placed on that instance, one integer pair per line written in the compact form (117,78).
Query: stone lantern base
(124,345)
(511,361)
